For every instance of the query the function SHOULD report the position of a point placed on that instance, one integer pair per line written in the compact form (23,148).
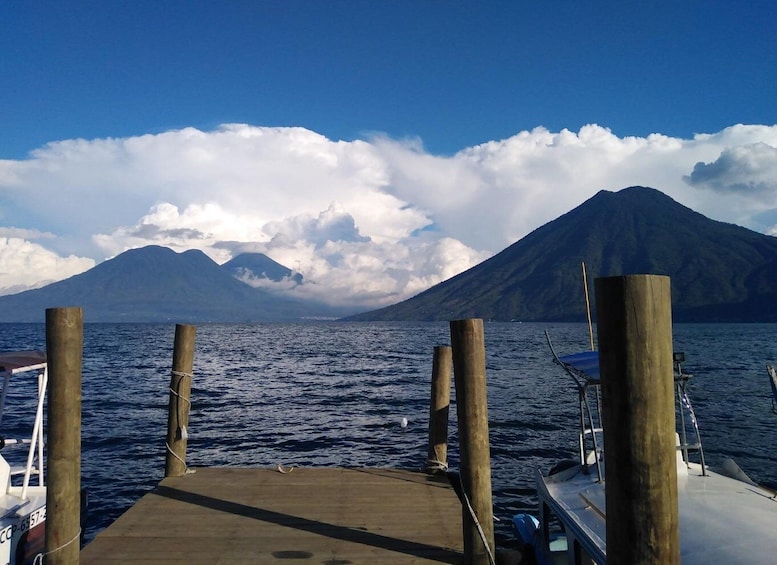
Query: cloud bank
(366,222)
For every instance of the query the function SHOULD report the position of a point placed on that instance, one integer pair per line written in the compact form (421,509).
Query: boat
(23,505)
(773,383)
(724,516)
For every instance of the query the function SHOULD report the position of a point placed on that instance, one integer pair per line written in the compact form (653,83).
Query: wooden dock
(326,516)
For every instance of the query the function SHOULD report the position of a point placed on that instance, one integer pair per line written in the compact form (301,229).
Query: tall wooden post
(437,455)
(64,351)
(469,368)
(179,404)
(635,357)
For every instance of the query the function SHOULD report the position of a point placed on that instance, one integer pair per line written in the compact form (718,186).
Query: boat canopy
(586,364)
(19,361)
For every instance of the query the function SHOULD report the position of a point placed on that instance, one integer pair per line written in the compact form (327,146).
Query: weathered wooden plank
(316,515)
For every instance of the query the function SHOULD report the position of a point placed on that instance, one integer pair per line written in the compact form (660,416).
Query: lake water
(335,394)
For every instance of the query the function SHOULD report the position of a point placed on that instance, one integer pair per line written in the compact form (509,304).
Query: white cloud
(747,169)
(365,222)
(22,233)
(371,275)
(200,226)
(25,265)
(331,225)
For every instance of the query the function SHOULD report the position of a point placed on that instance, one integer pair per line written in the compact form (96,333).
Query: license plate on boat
(23,538)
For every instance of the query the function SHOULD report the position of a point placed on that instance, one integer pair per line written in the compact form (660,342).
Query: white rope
(182,431)
(477,525)
(435,465)
(282,469)
(186,470)
(40,556)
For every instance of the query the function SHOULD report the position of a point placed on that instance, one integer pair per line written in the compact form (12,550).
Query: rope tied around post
(435,466)
(182,431)
(186,470)
(41,556)
(458,487)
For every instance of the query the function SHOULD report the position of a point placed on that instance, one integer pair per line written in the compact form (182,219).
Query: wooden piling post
(179,404)
(635,357)
(64,351)
(469,368)
(437,455)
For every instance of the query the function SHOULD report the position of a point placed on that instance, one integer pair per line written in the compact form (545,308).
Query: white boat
(724,516)
(23,505)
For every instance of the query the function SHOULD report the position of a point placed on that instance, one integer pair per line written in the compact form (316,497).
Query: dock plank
(329,516)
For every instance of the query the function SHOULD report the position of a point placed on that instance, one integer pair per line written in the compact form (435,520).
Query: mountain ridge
(156,284)
(719,272)
(634,230)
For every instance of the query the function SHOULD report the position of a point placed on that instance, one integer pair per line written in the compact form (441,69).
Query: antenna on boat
(588,307)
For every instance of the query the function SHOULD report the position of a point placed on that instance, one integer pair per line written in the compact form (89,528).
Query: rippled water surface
(334,394)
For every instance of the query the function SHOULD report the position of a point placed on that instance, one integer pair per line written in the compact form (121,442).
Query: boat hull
(22,531)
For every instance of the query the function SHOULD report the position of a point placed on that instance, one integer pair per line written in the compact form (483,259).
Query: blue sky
(453,74)
(378,147)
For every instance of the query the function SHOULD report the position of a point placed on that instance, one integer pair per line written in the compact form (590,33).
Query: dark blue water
(334,394)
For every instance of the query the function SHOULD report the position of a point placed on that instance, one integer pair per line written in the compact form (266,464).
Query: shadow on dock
(355,535)
(312,515)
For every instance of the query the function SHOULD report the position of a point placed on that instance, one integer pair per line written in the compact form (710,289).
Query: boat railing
(29,468)
(773,384)
(583,368)
(686,414)
(591,443)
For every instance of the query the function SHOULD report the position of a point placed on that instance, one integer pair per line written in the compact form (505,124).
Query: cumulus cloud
(366,222)
(331,225)
(748,169)
(284,285)
(198,226)
(368,275)
(29,234)
(25,265)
